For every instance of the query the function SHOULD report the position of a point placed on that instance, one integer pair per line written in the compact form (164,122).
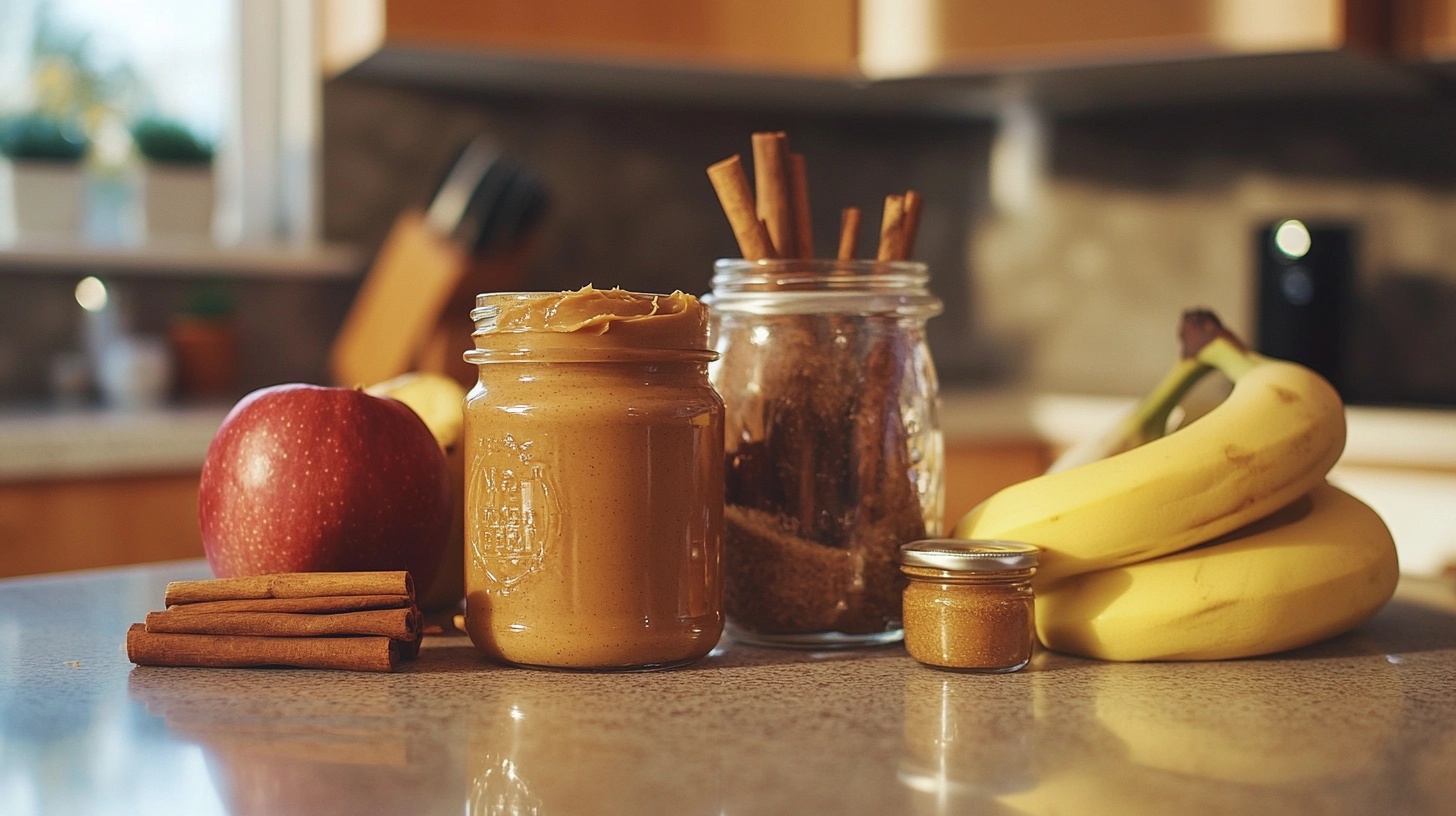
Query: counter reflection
(1067,736)
(276,749)
(545,743)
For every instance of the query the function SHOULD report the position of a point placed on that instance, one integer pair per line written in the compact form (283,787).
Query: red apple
(302,478)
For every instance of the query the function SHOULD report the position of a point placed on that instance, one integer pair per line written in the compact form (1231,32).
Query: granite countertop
(1365,724)
(89,442)
(45,443)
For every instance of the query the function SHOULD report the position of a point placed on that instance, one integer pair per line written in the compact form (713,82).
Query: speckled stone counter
(1363,724)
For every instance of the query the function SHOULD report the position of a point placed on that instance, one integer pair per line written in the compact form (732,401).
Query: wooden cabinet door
(81,524)
(975,470)
(803,36)
(1425,29)
(935,36)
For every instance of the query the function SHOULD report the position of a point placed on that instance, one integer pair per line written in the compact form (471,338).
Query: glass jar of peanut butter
(594,481)
(834,451)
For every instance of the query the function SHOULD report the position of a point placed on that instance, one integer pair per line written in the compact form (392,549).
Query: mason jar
(594,481)
(834,451)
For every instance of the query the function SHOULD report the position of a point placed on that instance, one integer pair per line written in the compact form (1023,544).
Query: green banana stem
(1205,339)
(1206,345)
(1149,420)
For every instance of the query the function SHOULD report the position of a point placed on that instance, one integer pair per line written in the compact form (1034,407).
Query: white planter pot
(177,200)
(41,199)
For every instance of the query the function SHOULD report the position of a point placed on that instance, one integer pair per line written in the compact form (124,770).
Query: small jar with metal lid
(969,605)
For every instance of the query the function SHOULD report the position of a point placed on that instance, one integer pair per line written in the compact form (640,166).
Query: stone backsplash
(1139,214)
(1148,213)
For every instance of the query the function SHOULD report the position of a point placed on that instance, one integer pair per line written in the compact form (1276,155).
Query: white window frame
(268,158)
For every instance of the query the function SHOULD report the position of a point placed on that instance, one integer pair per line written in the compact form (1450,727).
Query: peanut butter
(594,481)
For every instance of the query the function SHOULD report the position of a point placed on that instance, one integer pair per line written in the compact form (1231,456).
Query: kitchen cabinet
(946,36)
(814,37)
(811,36)
(70,524)
(1424,33)
(961,57)
(974,469)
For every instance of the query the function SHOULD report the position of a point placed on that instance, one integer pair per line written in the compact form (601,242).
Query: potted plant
(41,181)
(178,190)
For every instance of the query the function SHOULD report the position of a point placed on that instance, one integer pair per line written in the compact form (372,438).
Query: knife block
(443,350)
(412,312)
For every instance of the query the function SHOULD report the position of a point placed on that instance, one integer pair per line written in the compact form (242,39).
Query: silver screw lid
(969,555)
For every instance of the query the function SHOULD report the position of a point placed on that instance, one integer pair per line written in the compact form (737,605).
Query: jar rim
(488,303)
(818,274)
(591,354)
(969,555)
(797,286)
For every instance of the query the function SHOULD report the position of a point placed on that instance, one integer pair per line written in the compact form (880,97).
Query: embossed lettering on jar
(594,481)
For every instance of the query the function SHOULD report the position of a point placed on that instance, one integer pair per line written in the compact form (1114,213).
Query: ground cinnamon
(820,502)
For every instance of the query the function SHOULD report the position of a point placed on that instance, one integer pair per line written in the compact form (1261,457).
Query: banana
(1315,569)
(440,402)
(437,399)
(1270,441)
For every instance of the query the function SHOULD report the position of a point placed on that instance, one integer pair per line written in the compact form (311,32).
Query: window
(239,73)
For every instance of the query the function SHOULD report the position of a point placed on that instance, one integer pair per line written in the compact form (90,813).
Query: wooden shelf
(190,260)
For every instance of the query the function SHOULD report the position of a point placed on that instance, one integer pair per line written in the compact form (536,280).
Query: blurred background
(193,191)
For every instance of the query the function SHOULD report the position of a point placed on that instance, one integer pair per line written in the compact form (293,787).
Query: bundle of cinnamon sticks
(357,621)
(771,219)
(820,487)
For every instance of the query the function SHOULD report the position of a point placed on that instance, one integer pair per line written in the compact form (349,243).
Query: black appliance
(1305,294)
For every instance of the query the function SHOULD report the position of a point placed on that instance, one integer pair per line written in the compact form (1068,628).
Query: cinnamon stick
(225,651)
(848,233)
(771,182)
(736,198)
(395,624)
(914,202)
(892,229)
(321,605)
(292,585)
(799,199)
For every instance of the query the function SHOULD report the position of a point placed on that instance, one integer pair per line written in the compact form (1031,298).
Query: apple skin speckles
(304,478)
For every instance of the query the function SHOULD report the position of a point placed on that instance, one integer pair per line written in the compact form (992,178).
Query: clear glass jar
(834,451)
(969,604)
(594,481)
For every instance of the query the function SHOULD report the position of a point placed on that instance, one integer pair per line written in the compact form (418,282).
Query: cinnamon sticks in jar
(771,218)
(359,621)
(828,390)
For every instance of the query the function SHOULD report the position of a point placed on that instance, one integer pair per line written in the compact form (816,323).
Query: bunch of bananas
(1221,539)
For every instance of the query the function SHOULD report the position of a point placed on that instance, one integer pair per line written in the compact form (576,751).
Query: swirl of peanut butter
(612,318)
